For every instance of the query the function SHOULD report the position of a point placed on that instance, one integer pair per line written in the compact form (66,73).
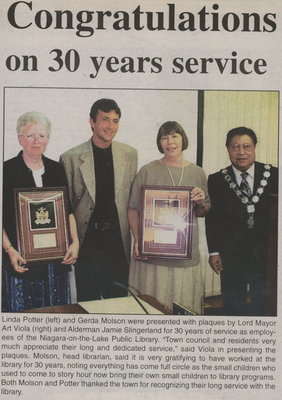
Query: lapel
(231,173)
(258,176)
(233,177)
(119,166)
(87,168)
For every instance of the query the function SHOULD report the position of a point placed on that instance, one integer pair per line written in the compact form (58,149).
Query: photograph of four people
(104,203)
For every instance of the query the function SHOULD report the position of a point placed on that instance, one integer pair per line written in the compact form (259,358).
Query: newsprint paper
(211,66)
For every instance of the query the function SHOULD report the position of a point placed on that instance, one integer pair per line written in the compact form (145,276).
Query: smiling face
(241,151)
(104,128)
(33,139)
(171,145)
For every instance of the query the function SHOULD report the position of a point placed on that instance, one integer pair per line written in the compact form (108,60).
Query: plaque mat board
(166,221)
(42,223)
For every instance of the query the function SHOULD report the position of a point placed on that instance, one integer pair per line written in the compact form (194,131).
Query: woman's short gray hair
(33,116)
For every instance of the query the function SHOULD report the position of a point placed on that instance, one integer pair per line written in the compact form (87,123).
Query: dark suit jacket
(226,224)
(16,174)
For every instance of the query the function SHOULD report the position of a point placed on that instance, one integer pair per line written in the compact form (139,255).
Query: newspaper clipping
(171,78)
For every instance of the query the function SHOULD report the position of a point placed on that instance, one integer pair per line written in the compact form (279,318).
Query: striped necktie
(245,187)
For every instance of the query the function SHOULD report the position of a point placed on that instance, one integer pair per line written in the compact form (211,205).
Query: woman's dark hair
(105,105)
(168,128)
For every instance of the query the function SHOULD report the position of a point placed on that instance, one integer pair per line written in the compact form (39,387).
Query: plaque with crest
(42,223)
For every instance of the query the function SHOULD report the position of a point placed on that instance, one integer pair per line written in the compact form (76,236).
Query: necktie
(245,187)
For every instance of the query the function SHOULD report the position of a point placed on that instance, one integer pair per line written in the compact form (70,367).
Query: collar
(99,150)
(250,171)
(47,163)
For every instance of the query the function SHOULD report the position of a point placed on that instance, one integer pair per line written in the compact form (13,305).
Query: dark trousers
(101,262)
(243,271)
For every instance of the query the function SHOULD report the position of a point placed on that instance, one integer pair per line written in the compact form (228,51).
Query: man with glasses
(237,225)
(100,173)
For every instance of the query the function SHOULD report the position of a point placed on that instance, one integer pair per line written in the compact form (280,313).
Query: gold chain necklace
(181,175)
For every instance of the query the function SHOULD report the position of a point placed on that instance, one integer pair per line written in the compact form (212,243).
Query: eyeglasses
(173,136)
(237,147)
(30,137)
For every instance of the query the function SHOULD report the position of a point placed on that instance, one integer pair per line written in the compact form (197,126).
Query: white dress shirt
(250,177)
(37,176)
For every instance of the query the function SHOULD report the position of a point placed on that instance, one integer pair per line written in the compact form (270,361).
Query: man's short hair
(168,128)
(105,105)
(240,131)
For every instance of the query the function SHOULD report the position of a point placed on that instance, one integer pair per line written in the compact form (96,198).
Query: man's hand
(216,263)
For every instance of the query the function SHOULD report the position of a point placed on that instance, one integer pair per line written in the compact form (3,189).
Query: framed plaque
(166,222)
(42,223)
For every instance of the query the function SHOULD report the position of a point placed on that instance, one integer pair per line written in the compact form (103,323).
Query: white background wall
(143,112)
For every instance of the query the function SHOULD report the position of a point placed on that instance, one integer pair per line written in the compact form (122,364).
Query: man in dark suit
(237,225)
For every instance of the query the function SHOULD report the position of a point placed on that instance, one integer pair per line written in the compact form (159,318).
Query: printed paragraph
(123,352)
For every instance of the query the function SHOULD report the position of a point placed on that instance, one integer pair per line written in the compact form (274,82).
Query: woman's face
(33,139)
(172,144)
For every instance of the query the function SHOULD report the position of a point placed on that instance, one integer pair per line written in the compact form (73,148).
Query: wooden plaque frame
(42,223)
(166,222)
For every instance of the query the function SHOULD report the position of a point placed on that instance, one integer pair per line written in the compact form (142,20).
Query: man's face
(104,128)
(241,151)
